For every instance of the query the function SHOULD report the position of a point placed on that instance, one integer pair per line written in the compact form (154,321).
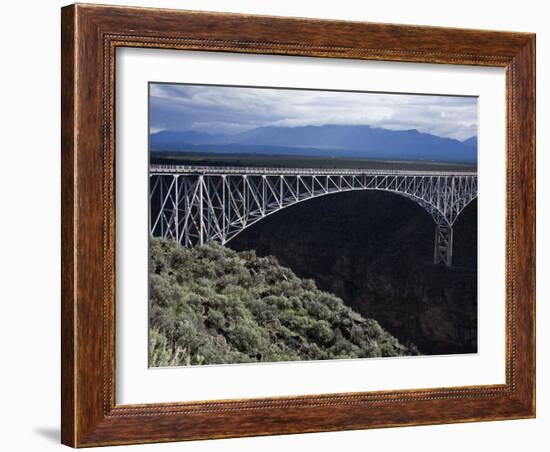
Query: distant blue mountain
(325,141)
(472,141)
(175,139)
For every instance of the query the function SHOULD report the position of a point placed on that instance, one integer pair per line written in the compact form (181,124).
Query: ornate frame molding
(90,37)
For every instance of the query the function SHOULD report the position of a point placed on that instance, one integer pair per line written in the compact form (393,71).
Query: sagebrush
(213,305)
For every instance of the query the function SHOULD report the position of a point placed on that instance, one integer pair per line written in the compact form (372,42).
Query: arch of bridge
(432,209)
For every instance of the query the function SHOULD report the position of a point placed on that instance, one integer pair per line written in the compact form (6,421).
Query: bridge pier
(443,249)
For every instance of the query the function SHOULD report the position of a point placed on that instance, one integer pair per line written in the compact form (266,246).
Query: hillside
(213,305)
(374,251)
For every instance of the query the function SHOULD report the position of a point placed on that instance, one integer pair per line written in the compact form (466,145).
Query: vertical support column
(177,208)
(186,211)
(207,182)
(264,200)
(443,249)
(153,184)
(224,209)
(161,210)
(201,209)
(245,200)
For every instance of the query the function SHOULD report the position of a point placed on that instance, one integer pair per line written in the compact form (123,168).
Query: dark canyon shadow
(375,251)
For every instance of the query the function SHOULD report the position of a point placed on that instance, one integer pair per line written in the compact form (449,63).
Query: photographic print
(295,225)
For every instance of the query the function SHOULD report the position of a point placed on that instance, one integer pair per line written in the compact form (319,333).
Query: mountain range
(358,141)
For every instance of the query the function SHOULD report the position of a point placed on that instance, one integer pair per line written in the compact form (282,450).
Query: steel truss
(194,205)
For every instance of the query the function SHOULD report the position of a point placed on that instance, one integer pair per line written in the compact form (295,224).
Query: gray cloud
(218,109)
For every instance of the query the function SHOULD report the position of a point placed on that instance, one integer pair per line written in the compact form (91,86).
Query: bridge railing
(192,169)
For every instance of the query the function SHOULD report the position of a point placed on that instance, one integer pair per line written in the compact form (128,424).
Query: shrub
(212,305)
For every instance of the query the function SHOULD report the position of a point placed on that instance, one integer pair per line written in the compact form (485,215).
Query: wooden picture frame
(90,36)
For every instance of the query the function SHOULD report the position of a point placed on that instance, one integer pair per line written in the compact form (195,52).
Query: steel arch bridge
(194,205)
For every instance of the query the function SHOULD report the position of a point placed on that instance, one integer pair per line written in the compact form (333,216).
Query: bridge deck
(205,170)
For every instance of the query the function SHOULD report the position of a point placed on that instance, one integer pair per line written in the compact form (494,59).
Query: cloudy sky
(219,109)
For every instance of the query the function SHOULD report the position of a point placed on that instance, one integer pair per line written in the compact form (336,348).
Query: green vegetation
(213,305)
